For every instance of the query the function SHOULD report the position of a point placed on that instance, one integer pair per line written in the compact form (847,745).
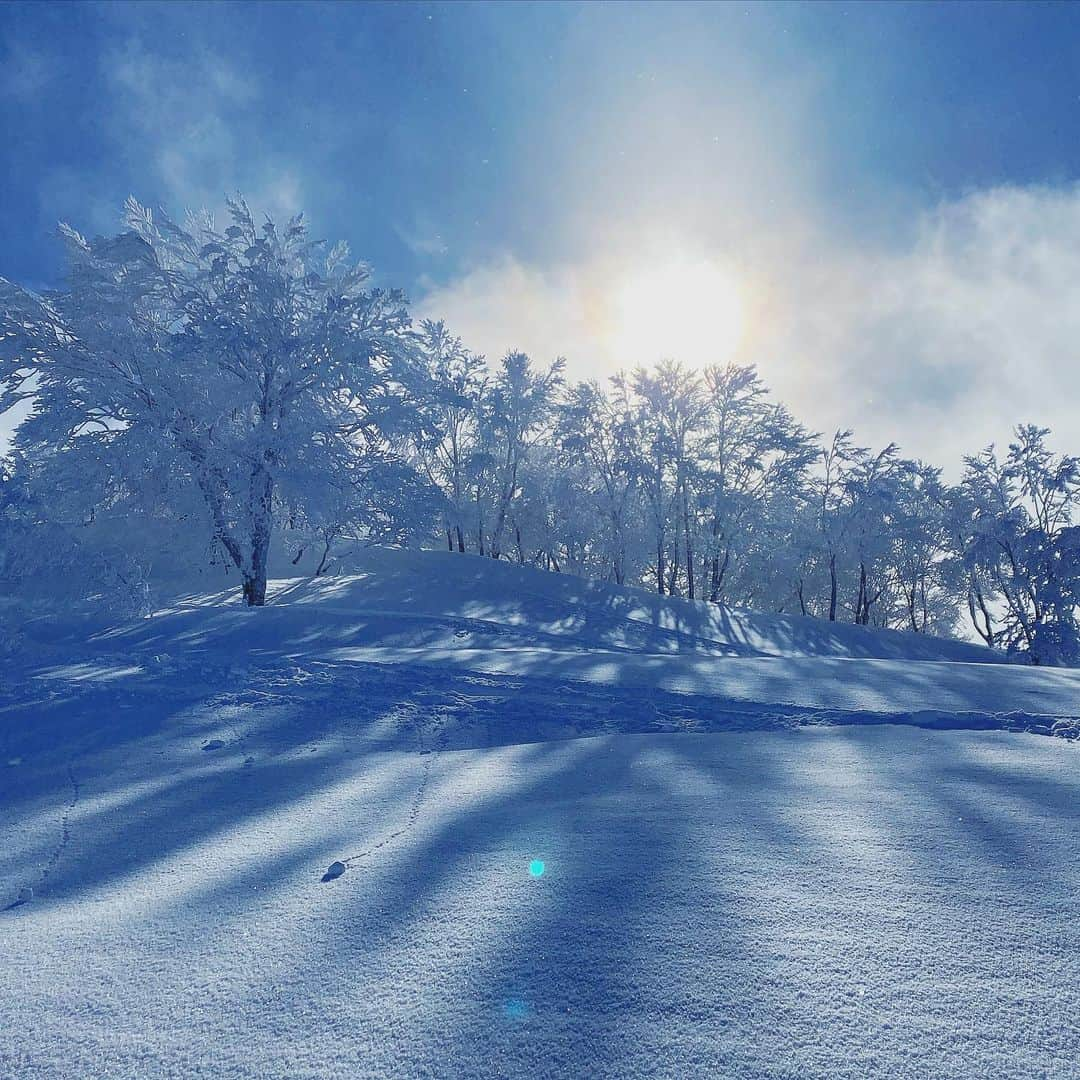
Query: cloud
(167,89)
(199,122)
(941,342)
(505,305)
(423,237)
(946,344)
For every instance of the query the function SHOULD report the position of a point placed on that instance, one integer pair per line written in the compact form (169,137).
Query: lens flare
(536,868)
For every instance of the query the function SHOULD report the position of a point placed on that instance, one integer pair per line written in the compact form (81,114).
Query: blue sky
(873,179)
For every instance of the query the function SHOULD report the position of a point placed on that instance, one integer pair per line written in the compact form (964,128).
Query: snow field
(756,862)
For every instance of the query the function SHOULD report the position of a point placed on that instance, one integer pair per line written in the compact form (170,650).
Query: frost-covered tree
(868,518)
(247,362)
(198,392)
(827,544)
(669,405)
(445,448)
(382,500)
(923,570)
(596,437)
(754,455)
(517,410)
(1014,523)
(49,538)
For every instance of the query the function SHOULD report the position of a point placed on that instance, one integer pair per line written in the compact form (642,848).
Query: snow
(756,860)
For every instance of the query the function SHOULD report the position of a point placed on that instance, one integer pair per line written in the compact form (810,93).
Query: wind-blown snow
(740,876)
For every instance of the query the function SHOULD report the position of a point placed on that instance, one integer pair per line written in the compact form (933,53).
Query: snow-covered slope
(431,598)
(468,614)
(585,832)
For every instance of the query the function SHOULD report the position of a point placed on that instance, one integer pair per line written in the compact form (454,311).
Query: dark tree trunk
(832,588)
(255,590)
(689,552)
(862,608)
(262,496)
(255,579)
(325,555)
(719,572)
(985,627)
(673,565)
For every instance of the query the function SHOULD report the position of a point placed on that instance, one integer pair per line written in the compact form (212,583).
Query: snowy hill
(438,610)
(430,598)
(583,831)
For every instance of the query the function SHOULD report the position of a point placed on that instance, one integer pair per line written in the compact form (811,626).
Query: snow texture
(450,818)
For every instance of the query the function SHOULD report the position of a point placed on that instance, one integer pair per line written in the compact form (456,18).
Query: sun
(686,309)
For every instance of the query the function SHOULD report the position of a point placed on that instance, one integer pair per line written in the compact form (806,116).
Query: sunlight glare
(685,309)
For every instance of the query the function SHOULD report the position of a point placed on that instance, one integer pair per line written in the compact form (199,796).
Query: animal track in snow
(26,893)
(415,804)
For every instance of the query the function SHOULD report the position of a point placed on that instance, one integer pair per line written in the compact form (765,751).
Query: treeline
(698,484)
(213,395)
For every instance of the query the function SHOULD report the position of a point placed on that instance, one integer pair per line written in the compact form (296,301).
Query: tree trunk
(255,589)
(714,575)
(673,567)
(689,542)
(255,578)
(985,630)
(460,540)
(832,588)
(861,607)
(260,502)
(506,497)
(719,572)
(325,555)
(619,554)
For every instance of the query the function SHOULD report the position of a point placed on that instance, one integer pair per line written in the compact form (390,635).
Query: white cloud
(423,237)
(507,305)
(169,91)
(946,345)
(941,344)
(196,120)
